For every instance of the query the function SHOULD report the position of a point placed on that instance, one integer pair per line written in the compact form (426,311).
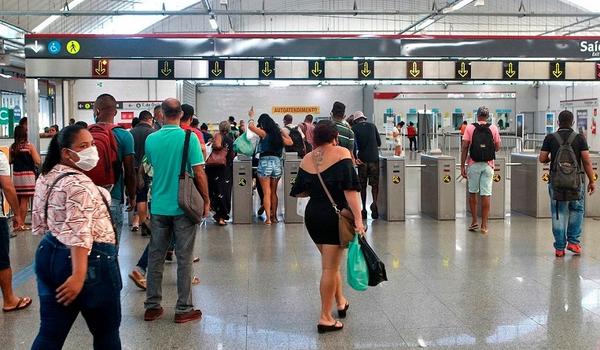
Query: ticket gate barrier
(498,200)
(529,186)
(438,194)
(291,166)
(242,203)
(390,200)
(592,202)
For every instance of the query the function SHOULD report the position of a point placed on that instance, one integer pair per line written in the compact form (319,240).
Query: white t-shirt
(397,139)
(4,171)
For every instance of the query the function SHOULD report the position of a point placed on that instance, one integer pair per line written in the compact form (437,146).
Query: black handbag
(375,266)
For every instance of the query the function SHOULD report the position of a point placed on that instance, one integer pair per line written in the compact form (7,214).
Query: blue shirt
(125,141)
(164,152)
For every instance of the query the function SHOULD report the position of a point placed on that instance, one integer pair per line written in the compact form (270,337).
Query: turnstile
(438,195)
(529,186)
(390,200)
(498,200)
(291,166)
(592,203)
(242,190)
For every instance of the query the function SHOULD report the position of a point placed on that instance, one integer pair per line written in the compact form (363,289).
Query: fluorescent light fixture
(213,22)
(457,5)
(48,21)
(587,5)
(426,23)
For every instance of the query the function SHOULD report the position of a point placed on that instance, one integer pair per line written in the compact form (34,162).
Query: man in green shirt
(164,151)
(346,135)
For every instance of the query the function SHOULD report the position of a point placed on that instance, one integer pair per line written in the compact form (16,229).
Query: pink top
(77,215)
(468,136)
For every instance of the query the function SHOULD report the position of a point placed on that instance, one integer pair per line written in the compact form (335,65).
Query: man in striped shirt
(345,133)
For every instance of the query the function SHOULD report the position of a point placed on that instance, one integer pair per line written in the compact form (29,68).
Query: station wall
(215,104)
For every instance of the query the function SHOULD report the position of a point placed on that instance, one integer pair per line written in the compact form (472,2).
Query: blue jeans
(567,227)
(99,301)
(143,262)
(164,228)
(116,210)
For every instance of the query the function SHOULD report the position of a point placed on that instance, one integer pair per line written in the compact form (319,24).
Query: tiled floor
(448,288)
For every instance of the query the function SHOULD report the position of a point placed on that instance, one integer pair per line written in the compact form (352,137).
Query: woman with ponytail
(76,261)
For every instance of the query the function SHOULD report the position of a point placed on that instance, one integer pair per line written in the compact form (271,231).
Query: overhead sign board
(84,105)
(100,68)
(316,69)
(296,110)
(414,69)
(266,69)
(557,70)
(216,69)
(166,69)
(366,69)
(510,70)
(462,70)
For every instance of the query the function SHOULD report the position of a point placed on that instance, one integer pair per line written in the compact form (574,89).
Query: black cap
(338,109)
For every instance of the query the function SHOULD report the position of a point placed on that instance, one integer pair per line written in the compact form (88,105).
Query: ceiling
(495,17)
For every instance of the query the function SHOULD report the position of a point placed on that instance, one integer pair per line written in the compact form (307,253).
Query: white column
(32,95)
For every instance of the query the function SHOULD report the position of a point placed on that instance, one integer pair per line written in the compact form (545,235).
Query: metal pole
(32,95)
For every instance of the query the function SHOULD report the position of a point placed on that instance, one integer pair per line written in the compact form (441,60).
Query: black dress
(219,183)
(320,218)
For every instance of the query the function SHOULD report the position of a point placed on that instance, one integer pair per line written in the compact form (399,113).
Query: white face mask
(88,158)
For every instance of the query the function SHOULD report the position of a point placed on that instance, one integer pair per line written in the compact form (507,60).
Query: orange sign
(100,68)
(296,110)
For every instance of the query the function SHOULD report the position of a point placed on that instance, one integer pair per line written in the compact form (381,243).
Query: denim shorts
(269,166)
(480,176)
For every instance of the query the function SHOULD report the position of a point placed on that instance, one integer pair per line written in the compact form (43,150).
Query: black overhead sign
(316,69)
(414,69)
(510,70)
(462,70)
(557,70)
(216,69)
(182,46)
(166,69)
(366,69)
(266,69)
(87,105)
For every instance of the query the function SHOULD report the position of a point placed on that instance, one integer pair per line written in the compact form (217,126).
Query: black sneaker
(374,212)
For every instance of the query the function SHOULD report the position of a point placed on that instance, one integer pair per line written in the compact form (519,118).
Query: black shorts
(4,244)
(142,193)
(368,172)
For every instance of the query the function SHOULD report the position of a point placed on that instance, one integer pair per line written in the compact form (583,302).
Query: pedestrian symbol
(396,179)
(545,177)
(497,178)
(54,47)
(293,180)
(447,179)
(242,182)
(73,47)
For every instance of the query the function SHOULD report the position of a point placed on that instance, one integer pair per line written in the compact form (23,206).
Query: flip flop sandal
(473,228)
(321,328)
(21,304)
(135,228)
(195,281)
(141,283)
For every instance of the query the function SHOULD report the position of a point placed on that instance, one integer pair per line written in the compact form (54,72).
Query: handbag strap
(186,149)
(325,186)
(62,176)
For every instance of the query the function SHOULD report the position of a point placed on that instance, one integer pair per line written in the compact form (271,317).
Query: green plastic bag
(358,274)
(243,145)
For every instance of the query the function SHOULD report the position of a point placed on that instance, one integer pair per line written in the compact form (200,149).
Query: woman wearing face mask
(76,262)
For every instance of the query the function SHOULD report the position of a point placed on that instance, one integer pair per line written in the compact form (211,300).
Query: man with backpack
(308,128)
(569,156)
(480,143)
(300,146)
(116,166)
(367,143)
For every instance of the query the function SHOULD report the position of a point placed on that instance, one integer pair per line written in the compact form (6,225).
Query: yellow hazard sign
(497,178)
(396,179)
(447,179)
(73,47)
(545,177)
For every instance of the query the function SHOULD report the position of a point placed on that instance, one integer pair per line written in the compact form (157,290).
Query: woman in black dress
(219,177)
(337,170)
(25,159)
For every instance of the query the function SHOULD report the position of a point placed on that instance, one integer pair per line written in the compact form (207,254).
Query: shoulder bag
(346,227)
(218,157)
(188,196)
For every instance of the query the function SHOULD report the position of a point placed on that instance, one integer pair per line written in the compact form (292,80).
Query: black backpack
(482,147)
(298,146)
(565,173)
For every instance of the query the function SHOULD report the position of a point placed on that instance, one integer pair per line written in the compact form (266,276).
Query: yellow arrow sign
(557,72)
(365,71)
(415,70)
(463,71)
(510,72)
(166,70)
(266,69)
(216,71)
(100,70)
(316,71)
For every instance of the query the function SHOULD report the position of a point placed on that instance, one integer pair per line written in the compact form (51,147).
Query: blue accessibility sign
(54,47)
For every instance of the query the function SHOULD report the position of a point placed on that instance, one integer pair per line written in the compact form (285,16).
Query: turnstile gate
(498,200)
(438,194)
(291,166)
(242,203)
(529,186)
(390,201)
